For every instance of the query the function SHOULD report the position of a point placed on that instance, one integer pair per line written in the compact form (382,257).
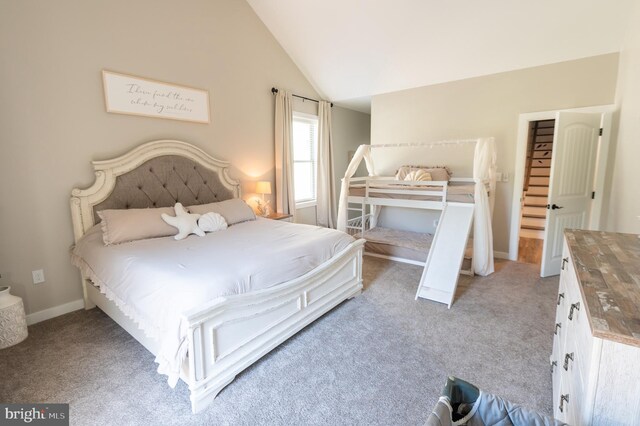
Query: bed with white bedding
(210,306)
(155,280)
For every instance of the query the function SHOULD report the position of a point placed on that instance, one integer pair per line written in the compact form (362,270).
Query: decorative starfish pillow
(186,223)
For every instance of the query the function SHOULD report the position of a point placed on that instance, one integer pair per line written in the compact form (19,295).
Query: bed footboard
(231,333)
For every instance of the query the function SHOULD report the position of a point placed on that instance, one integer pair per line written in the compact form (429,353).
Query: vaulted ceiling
(351,50)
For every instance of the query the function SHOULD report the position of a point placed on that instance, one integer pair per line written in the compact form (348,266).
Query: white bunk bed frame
(381,185)
(444,260)
(229,333)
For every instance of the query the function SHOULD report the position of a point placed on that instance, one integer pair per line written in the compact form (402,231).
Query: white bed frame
(228,334)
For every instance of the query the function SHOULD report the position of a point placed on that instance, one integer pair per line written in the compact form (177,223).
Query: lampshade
(263,187)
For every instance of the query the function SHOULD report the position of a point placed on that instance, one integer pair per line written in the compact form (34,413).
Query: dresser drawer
(561,299)
(563,404)
(571,385)
(576,328)
(555,364)
(584,344)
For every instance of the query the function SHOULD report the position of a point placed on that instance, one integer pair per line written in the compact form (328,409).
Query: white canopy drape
(285,199)
(484,161)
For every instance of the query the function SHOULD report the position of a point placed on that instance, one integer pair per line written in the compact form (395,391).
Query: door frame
(595,217)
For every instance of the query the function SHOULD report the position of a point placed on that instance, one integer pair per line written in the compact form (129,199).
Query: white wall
(624,207)
(350,130)
(53,120)
(489,106)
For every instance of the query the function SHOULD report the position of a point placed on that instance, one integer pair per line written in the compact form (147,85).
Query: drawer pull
(564,260)
(563,399)
(553,365)
(558,325)
(560,296)
(567,357)
(575,306)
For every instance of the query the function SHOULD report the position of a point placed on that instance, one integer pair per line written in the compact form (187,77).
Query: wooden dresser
(595,361)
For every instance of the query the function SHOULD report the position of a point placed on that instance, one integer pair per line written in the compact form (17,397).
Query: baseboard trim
(501,255)
(56,311)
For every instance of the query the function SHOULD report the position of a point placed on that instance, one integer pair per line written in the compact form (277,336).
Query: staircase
(536,182)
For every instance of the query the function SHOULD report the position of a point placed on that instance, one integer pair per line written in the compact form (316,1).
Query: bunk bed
(463,202)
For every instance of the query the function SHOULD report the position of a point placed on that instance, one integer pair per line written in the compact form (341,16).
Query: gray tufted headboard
(162,182)
(155,174)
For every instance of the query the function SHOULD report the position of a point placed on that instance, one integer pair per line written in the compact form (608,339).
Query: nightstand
(280,216)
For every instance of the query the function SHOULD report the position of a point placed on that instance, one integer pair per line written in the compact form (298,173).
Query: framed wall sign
(127,94)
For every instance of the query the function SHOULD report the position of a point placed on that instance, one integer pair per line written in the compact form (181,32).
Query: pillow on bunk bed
(438,173)
(418,175)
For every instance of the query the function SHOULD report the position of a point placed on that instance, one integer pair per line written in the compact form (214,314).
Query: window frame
(302,116)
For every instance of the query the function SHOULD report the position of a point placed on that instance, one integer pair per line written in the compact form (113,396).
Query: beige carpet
(380,358)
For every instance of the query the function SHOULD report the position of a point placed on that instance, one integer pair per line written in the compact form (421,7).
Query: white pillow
(186,223)
(212,222)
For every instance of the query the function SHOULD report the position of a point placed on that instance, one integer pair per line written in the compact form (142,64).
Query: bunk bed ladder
(440,275)
(358,224)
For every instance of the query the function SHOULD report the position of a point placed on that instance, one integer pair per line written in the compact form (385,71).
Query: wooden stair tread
(535,228)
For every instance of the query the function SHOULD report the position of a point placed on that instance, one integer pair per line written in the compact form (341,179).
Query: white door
(575,144)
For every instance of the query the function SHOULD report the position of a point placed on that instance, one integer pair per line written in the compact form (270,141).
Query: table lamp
(263,187)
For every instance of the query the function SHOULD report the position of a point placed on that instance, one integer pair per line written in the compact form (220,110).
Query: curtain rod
(274,91)
(445,142)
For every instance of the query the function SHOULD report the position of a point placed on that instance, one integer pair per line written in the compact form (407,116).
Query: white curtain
(285,200)
(484,164)
(326,187)
(363,151)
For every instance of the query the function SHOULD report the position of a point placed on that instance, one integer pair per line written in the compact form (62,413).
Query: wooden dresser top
(608,268)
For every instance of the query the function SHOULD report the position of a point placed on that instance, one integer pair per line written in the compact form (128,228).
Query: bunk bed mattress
(154,281)
(397,243)
(456,193)
(405,244)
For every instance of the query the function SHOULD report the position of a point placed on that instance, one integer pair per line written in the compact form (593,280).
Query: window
(305,143)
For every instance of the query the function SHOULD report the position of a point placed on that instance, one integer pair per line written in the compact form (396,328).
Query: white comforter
(154,281)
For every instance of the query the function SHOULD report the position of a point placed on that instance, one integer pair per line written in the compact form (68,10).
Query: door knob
(554,207)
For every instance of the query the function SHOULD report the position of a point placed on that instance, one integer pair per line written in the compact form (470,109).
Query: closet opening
(535,191)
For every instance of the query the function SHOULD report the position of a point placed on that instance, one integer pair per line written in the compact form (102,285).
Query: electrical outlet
(38,276)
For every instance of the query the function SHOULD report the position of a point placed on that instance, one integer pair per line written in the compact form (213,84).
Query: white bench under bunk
(444,254)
